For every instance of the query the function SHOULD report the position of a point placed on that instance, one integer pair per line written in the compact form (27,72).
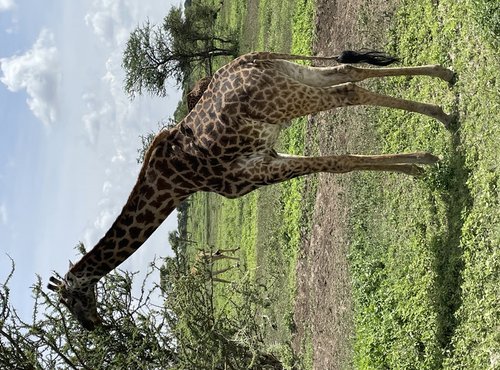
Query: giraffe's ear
(71,264)
(70,279)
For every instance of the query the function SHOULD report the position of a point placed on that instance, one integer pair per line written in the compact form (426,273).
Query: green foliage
(487,15)
(195,32)
(226,334)
(137,333)
(302,28)
(185,331)
(181,111)
(185,41)
(144,64)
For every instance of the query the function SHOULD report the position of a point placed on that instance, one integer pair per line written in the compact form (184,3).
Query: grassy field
(264,224)
(424,253)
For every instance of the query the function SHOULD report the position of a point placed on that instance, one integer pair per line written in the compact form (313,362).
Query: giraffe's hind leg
(367,97)
(289,98)
(221,271)
(329,76)
(338,81)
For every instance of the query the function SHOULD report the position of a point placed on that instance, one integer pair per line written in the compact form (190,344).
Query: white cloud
(104,220)
(107,119)
(99,113)
(37,72)
(107,187)
(119,156)
(110,20)
(4,218)
(6,5)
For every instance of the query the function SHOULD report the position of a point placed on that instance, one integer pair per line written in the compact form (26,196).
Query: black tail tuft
(377,58)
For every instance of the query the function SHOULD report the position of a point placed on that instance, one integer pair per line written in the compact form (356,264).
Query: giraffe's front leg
(214,274)
(266,172)
(222,251)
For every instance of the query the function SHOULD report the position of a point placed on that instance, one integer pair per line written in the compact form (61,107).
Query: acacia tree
(183,42)
(137,332)
(184,331)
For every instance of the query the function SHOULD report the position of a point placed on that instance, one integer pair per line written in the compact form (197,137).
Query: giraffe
(204,261)
(225,145)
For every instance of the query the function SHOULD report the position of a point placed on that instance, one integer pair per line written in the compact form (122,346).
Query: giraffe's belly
(229,140)
(260,136)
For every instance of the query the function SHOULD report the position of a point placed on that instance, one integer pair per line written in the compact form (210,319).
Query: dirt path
(323,309)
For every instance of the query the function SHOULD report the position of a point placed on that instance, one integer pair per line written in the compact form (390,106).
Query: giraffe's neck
(130,230)
(148,206)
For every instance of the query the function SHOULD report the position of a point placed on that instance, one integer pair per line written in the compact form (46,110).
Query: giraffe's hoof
(426,158)
(448,120)
(453,79)
(445,74)
(449,76)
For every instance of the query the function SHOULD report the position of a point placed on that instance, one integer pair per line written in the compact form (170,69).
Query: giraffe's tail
(377,58)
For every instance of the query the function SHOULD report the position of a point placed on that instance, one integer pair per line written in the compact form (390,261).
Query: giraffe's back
(237,114)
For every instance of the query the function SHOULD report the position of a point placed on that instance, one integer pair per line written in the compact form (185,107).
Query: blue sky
(68,133)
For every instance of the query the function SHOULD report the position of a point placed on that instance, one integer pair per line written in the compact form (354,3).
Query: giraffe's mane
(159,137)
(165,133)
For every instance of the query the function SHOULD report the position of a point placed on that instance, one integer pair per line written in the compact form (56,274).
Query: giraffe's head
(79,297)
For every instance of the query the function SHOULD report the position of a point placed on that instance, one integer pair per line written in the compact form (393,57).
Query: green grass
(425,253)
(265,224)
